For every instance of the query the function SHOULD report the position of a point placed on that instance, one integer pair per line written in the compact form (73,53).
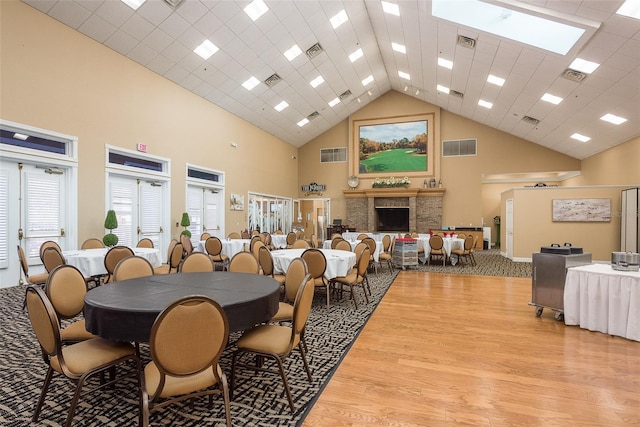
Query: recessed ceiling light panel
(281,106)
(256,9)
(316,82)
(552,99)
(303,122)
(495,80)
(404,75)
(630,8)
(612,118)
(390,8)
(443,89)
(292,52)
(251,83)
(335,101)
(339,19)
(445,63)
(206,49)
(580,138)
(485,104)
(133,4)
(367,80)
(356,55)
(584,66)
(399,47)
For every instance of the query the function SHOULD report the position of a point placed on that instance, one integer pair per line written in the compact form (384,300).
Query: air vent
(313,115)
(344,95)
(272,80)
(173,3)
(314,51)
(456,94)
(530,120)
(467,42)
(573,75)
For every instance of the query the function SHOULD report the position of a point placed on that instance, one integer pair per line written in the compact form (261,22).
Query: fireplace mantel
(394,192)
(425,206)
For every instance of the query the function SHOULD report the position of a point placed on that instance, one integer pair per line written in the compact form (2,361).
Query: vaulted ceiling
(162,38)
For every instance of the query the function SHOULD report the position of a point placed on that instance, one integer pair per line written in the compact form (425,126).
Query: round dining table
(91,261)
(338,262)
(126,310)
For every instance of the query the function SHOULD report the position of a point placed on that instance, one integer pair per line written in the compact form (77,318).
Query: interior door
(205,209)
(509,228)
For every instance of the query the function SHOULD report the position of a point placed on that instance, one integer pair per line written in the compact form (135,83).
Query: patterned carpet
(489,263)
(257,401)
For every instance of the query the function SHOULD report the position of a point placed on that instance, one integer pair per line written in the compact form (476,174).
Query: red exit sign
(142,147)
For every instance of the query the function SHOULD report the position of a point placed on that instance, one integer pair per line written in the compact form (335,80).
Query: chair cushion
(163,269)
(348,279)
(176,386)
(38,278)
(90,354)
(285,312)
(267,339)
(76,331)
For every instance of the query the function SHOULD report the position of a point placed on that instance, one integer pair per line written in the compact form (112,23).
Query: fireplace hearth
(392,219)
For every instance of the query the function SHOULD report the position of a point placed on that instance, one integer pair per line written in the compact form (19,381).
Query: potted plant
(110,223)
(185,222)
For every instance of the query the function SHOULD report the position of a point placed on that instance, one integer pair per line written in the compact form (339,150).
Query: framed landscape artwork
(393,146)
(581,210)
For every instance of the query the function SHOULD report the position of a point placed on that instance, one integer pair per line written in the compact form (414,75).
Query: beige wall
(533,226)
(467,200)
(619,165)
(55,78)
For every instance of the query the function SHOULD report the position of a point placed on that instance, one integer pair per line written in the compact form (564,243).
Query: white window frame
(218,186)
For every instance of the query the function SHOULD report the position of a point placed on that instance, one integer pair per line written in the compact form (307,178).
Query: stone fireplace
(395,209)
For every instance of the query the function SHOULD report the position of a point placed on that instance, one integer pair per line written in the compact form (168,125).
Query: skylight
(485,104)
(611,118)
(399,47)
(630,8)
(206,49)
(367,80)
(335,101)
(583,65)
(316,82)
(537,31)
(256,9)
(404,75)
(251,83)
(303,122)
(133,4)
(445,63)
(339,19)
(547,97)
(390,8)
(292,52)
(495,80)
(356,55)
(281,106)
(580,138)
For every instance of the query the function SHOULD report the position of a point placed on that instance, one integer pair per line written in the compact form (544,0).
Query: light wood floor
(468,350)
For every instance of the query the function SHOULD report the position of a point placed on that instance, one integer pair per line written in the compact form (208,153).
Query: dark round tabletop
(126,310)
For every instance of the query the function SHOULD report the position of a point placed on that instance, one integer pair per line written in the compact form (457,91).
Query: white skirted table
(338,262)
(599,298)
(91,261)
(376,255)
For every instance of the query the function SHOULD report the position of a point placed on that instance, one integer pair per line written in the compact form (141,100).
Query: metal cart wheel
(539,311)
(559,316)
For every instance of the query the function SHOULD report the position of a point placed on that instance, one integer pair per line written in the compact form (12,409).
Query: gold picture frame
(396,146)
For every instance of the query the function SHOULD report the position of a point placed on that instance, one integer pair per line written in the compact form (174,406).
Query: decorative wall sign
(314,189)
(581,210)
(237,202)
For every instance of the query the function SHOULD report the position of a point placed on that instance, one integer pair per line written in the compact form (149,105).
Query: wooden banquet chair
(386,254)
(77,362)
(145,243)
(296,272)
(234,235)
(291,238)
(113,257)
(205,236)
(213,246)
(187,246)
(465,252)
(51,258)
(244,262)
(343,245)
(187,340)
(33,280)
(355,278)
(300,244)
(336,240)
(265,259)
(197,262)
(372,249)
(174,257)
(92,243)
(437,249)
(276,342)
(132,267)
(49,244)
(362,236)
(66,288)
(316,266)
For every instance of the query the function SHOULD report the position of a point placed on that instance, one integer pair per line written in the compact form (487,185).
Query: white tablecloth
(353,235)
(327,245)
(279,240)
(338,262)
(450,243)
(91,261)
(230,247)
(599,298)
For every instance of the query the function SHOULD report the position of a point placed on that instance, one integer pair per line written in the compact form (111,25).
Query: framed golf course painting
(393,146)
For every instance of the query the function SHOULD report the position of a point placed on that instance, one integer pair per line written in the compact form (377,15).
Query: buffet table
(599,298)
